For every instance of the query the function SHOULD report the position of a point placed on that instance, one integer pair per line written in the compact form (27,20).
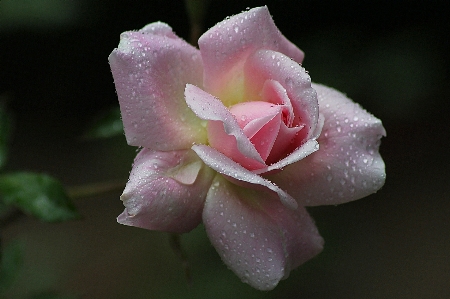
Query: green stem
(175,243)
(196,10)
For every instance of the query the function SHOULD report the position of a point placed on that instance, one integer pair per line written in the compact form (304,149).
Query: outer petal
(224,165)
(166,191)
(151,68)
(347,166)
(266,65)
(225,47)
(256,236)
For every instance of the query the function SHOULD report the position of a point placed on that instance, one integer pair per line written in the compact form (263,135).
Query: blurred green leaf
(5,130)
(11,262)
(107,124)
(37,194)
(35,14)
(4,208)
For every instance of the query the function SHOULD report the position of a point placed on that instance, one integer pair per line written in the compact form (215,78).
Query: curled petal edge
(224,165)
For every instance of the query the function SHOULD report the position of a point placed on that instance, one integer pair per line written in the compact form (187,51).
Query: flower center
(261,123)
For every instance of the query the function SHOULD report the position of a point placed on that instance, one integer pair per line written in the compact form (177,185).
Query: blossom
(236,136)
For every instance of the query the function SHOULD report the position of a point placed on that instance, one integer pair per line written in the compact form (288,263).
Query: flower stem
(175,243)
(196,10)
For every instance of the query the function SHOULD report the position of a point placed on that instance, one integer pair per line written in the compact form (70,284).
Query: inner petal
(260,122)
(275,93)
(288,139)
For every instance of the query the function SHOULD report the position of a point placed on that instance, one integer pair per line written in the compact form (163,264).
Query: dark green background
(390,56)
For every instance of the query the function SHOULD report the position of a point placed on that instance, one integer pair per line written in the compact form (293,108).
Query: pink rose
(236,135)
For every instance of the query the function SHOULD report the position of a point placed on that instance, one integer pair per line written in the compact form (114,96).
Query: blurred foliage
(388,75)
(52,295)
(107,124)
(5,130)
(37,13)
(37,194)
(196,9)
(11,263)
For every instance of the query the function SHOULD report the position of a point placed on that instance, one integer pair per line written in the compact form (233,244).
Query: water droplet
(289,81)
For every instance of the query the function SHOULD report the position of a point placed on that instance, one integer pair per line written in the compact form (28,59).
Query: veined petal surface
(258,238)
(151,68)
(166,191)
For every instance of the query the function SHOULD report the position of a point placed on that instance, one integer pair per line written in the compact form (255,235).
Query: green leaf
(11,262)
(107,124)
(37,194)
(5,130)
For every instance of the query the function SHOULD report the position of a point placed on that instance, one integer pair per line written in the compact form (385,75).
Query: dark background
(389,56)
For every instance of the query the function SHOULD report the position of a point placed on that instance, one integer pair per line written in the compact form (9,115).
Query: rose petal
(225,47)
(347,166)
(260,122)
(274,92)
(247,112)
(166,191)
(159,28)
(285,143)
(266,65)
(254,127)
(300,153)
(224,165)
(256,236)
(265,138)
(151,68)
(225,133)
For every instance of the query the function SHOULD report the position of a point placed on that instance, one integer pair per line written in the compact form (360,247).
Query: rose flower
(234,134)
